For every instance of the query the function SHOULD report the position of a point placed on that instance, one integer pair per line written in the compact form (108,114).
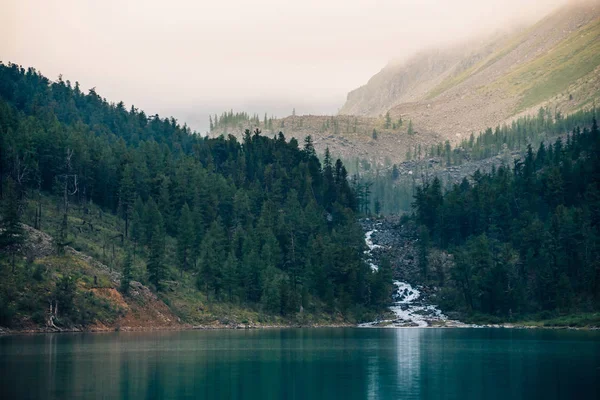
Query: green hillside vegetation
(457,79)
(256,225)
(544,76)
(553,73)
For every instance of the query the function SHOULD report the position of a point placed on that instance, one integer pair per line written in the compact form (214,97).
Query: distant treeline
(231,119)
(391,192)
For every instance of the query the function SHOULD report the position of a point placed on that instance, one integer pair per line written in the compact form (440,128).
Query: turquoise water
(346,363)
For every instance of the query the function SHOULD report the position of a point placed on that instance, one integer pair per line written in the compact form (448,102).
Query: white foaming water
(369,241)
(405,294)
(409,310)
(371,246)
(408,306)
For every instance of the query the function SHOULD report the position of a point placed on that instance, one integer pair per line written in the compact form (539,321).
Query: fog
(189,58)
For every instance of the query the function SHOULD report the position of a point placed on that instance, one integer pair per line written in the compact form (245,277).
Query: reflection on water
(303,363)
(408,351)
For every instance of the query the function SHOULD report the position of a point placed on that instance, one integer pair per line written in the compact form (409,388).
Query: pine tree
(127,196)
(165,206)
(185,239)
(230,275)
(271,297)
(395,172)
(63,235)
(64,294)
(127,273)
(157,270)
(377,207)
(12,234)
(448,151)
(138,234)
(213,252)
(153,220)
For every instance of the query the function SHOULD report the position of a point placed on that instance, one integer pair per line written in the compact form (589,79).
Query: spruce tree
(126,274)
(138,233)
(230,275)
(185,239)
(157,270)
(61,239)
(127,197)
(212,256)
(12,234)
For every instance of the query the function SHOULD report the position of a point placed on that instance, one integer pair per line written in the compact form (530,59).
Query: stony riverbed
(409,306)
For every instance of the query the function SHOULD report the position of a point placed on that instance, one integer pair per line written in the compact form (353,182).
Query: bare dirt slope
(348,137)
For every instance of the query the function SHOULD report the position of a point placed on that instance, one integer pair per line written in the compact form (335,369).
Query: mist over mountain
(457,90)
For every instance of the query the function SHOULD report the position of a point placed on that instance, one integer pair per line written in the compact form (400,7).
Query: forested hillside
(522,239)
(258,223)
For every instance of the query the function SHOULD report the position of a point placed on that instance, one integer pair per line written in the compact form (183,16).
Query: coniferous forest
(260,223)
(524,238)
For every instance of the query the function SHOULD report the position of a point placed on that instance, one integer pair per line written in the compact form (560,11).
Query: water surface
(344,363)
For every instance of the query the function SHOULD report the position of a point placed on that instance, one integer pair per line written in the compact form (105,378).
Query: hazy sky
(193,57)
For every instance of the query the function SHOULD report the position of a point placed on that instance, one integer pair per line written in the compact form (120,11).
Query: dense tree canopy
(524,239)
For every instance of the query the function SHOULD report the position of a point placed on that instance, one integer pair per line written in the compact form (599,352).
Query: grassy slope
(457,79)
(553,72)
(545,76)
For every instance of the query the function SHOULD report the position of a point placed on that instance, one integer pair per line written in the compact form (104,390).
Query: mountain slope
(414,79)
(555,63)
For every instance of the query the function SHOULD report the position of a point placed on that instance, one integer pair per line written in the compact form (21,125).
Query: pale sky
(189,58)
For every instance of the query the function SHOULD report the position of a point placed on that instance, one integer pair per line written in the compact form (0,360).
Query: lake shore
(182,327)
(187,327)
